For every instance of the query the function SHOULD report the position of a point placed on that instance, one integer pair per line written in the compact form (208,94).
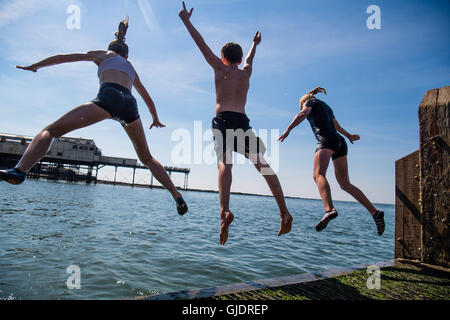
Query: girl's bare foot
(286,223)
(226,219)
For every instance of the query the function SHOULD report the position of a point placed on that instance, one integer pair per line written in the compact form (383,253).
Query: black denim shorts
(232,130)
(118,102)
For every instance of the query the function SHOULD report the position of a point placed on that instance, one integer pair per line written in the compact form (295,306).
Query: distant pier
(75,160)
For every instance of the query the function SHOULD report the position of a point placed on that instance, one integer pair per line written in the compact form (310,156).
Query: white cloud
(149,16)
(13,10)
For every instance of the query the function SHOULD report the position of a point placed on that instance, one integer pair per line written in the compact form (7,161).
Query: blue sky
(375,78)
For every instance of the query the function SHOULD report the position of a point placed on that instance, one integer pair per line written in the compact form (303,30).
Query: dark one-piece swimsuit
(321,120)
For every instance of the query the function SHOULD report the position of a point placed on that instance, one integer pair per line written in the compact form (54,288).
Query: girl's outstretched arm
(302,115)
(65,58)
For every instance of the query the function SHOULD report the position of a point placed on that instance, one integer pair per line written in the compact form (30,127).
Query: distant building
(65,149)
(71,159)
(72,149)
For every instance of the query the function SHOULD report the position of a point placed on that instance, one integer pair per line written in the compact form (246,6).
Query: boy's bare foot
(286,224)
(226,219)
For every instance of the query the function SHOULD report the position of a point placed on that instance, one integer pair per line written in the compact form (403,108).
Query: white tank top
(119,63)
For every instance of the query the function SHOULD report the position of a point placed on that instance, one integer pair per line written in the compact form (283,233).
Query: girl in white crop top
(118,63)
(114,101)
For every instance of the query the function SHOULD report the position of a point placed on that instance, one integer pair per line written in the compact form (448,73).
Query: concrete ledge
(260,284)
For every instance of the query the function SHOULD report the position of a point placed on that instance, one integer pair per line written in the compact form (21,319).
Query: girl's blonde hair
(311,95)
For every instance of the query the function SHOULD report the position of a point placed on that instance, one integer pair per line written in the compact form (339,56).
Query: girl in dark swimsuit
(330,145)
(114,101)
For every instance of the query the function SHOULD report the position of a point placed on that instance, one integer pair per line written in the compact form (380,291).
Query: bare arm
(148,101)
(351,137)
(210,57)
(251,55)
(64,58)
(302,115)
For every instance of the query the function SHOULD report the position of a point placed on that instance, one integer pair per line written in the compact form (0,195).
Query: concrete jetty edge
(261,284)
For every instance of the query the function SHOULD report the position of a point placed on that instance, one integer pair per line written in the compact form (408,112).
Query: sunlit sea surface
(131,242)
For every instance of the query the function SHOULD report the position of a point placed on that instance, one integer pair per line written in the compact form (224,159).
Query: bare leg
(321,162)
(136,133)
(80,117)
(275,187)
(225,179)
(341,171)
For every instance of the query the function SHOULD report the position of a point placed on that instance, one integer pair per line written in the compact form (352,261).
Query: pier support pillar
(422,187)
(38,171)
(96,174)
(89,175)
(434,121)
(186,181)
(408,227)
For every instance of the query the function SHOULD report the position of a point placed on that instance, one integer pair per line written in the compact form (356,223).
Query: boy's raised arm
(251,55)
(210,57)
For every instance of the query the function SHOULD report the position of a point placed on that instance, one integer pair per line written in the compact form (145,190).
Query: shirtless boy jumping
(231,128)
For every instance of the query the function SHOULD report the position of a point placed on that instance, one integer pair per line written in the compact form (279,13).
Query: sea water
(128,242)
